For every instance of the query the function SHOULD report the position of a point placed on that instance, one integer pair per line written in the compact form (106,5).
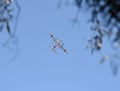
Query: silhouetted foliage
(9,13)
(107,12)
(103,13)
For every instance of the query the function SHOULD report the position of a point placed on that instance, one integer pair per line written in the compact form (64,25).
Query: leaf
(104,58)
(8,27)
(1,28)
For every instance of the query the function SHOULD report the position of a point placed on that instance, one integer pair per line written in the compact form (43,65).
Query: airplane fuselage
(58,43)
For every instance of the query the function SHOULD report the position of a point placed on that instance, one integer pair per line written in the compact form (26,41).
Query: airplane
(58,43)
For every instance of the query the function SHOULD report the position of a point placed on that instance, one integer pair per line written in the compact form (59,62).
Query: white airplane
(58,43)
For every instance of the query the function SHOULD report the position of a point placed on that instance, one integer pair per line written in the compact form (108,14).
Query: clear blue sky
(37,68)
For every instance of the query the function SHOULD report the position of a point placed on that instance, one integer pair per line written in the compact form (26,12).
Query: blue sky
(37,68)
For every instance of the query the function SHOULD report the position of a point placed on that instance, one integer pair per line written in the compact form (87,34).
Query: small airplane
(58,43)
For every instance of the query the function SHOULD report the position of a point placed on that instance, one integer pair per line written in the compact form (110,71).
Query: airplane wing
(63,49)
(53,48)
(54,39)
